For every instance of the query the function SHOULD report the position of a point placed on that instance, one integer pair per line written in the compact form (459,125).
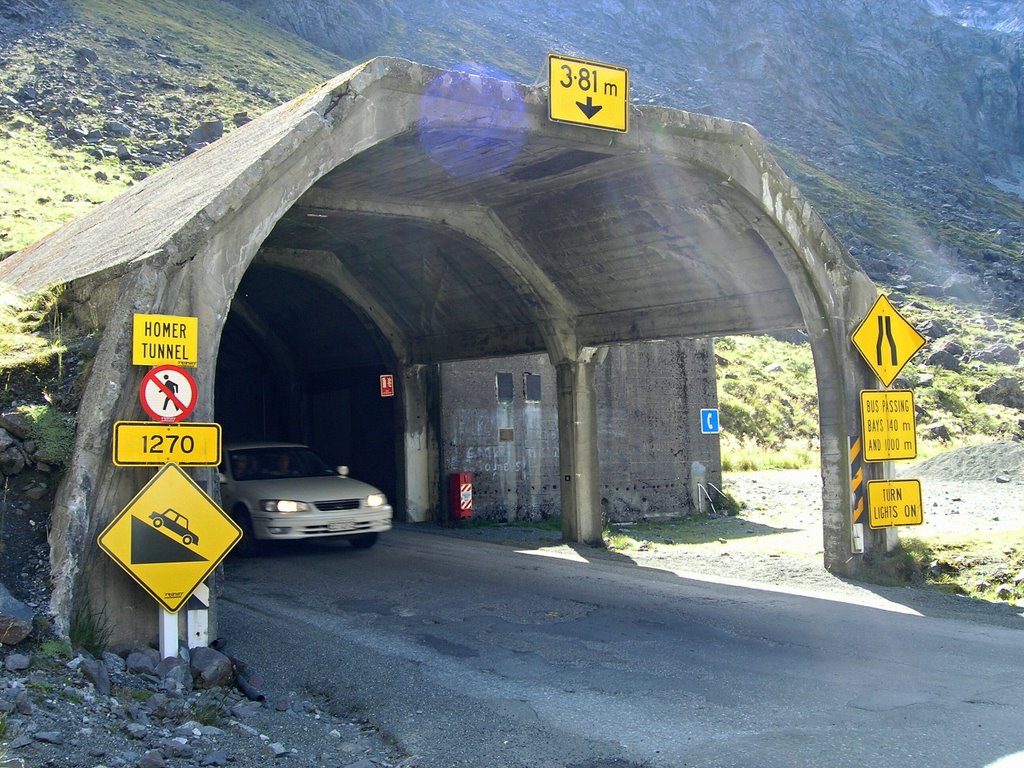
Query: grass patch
(983,566)
(700,535)
(53,431)
(45,187)
(90,628)
(30,330)
(51,654)
(209,709)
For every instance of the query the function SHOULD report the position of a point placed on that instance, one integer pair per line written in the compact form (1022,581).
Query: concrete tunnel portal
(406,216)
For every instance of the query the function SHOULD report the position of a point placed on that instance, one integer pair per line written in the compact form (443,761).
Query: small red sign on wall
(387,385)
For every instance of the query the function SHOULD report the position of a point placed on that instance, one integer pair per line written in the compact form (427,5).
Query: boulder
(17,662)
(211,668)
(999,353)
(943,359)
(16,423)
(1005,391)
(207,132)
(932,329)
(176,674)
(97,672)
(15,618)
(937,431)
(143,661)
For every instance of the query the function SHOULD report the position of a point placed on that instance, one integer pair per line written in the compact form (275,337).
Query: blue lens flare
(472,123)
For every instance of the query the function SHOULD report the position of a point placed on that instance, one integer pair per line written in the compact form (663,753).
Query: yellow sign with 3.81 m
(588,93)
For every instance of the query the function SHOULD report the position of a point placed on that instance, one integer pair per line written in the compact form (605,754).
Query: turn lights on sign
(170,537)
(894,502)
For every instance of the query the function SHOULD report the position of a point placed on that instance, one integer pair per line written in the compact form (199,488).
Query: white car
(284,491)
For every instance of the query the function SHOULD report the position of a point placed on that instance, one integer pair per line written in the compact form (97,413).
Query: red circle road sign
(168,393)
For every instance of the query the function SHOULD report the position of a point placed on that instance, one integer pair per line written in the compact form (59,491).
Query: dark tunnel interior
(297,364)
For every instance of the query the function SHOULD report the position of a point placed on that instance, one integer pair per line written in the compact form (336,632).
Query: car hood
(304,488)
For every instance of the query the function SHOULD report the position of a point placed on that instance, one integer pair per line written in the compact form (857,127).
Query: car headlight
(376,500)
(283,505)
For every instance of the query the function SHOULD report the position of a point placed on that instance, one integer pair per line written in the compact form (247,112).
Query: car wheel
(363,540)
(248,545)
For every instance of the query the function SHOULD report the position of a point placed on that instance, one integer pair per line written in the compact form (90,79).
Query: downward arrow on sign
(589,109)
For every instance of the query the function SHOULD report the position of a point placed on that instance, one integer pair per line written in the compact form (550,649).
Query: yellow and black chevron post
(857,479)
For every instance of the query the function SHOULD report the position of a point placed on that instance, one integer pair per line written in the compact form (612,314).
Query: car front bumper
(304,525)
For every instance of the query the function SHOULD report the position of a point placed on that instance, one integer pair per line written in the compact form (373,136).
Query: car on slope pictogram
(285,491)
(174,521)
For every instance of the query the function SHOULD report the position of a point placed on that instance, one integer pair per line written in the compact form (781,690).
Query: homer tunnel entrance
(296,363)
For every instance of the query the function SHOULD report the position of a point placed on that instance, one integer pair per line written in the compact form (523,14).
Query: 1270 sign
(144,443)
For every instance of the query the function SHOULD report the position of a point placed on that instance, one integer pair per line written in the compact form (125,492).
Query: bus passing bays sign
(888,423)
(170,537)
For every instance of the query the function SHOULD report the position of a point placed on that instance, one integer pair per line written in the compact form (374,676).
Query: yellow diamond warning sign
(886,340)
(170,537)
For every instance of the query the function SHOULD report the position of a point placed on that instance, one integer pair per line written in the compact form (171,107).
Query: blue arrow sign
(709,421)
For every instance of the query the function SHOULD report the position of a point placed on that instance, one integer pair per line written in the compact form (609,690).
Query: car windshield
(270,463)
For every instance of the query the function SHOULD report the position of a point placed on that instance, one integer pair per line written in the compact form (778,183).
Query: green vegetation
(707,535)
(51,654)
(987,566)
(768,401)
(30,334)
(209,69)
(984,566)
(44,187)
(53,431)
(768,392)
(90,628)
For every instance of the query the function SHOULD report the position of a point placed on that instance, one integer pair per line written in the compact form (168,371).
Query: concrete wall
(511,448)
(649,400)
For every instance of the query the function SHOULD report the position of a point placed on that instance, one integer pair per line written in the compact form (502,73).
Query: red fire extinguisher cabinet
(460,495)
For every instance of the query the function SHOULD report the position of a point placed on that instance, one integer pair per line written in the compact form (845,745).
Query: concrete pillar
(577,451)
(422,411)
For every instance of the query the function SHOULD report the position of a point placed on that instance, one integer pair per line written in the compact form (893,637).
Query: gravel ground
(972,490)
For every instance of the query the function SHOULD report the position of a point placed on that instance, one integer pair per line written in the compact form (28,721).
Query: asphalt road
(476,654)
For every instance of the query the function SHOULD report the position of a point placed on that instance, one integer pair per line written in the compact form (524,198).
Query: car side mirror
(221,477)
(342,470)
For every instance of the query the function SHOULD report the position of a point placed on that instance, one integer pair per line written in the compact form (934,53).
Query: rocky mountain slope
(903,122)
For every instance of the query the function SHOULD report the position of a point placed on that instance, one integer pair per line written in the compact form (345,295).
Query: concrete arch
(568,239)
